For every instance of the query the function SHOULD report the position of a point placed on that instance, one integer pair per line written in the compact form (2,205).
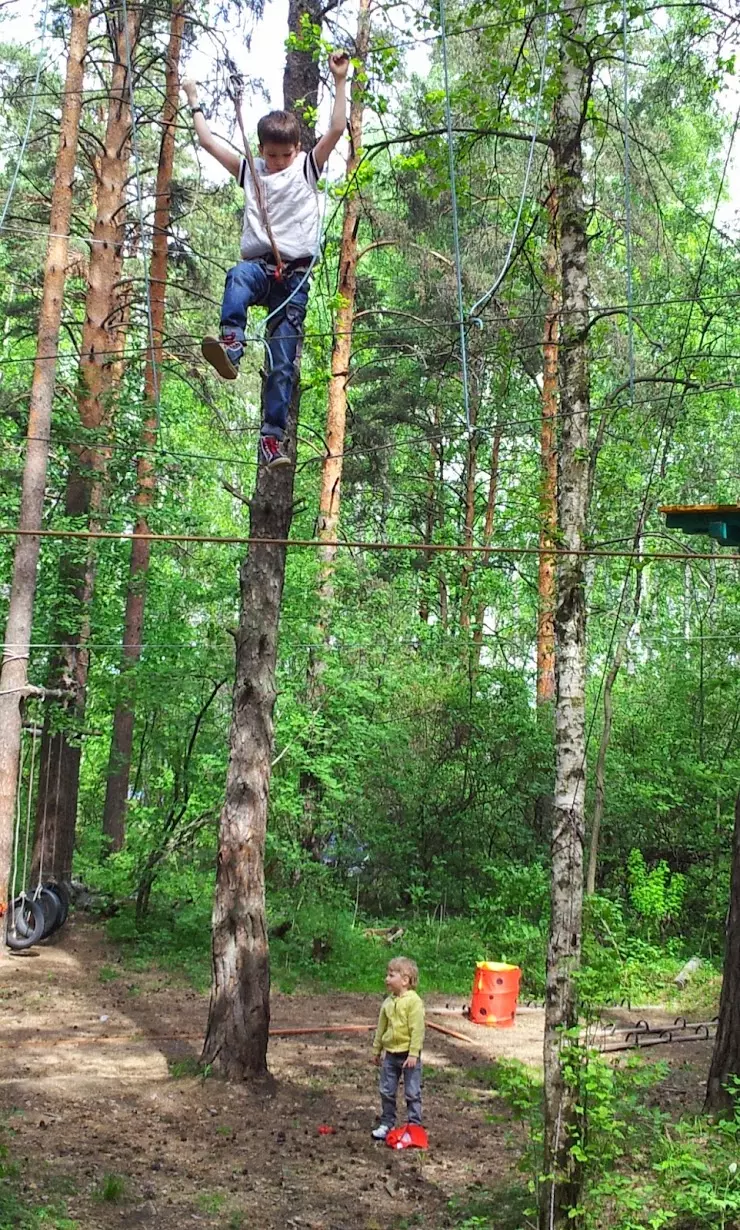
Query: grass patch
(186,1069)
(112,1189)
(107,973)
(211,1202)
(17,1211)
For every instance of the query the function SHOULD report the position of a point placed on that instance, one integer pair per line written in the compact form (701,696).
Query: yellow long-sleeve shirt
(400,1025)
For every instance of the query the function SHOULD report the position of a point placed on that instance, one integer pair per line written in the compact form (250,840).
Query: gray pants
(391,1071)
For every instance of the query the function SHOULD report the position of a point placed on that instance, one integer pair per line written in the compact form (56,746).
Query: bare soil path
(83,1107)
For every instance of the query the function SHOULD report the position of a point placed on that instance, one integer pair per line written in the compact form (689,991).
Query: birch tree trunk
(549,473)
(14,670)
(560,1190)
(239,1011)
(102,344)
(119,764)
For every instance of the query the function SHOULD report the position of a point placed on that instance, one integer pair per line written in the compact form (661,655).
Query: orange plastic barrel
(495,994)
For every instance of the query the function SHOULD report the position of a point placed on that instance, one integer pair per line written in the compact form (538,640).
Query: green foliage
(641,1170)
(655,894)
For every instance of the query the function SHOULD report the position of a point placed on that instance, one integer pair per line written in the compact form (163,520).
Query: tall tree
(239,1012)
(336,415)
(725,1065)
(102,343)
(14,671)
(119,764)
(560,1190)
(548,470)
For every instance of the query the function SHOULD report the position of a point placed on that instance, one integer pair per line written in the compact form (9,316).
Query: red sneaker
(272,452)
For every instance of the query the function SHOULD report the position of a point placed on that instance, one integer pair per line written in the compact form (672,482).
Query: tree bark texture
(119,764)
(549,473)
(14,670)
(239,1012)
(560,1191)
(102,344)
(725,1063)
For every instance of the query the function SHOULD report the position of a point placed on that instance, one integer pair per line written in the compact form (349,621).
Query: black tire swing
(25,925)
(35,916)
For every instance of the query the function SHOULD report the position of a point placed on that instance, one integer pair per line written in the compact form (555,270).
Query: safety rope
(455,220)
(628,207)
(140,200)
(29,121)
(16,843)
(46,808)
(486,298)
(236,93)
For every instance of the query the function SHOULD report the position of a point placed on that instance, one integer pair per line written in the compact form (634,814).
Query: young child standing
(400,1034)
(285,196)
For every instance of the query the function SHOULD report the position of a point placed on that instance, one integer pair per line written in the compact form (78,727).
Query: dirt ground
(86,1101)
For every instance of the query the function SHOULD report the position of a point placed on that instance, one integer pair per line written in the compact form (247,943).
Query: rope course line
(486,298)
(628,207)
(360,545)
(638,555)
(29,121)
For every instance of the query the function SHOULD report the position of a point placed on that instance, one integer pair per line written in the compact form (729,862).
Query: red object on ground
(324,1129)
(410,1136)
(495,994)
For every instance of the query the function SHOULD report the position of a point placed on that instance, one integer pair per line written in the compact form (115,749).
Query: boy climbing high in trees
(280,239)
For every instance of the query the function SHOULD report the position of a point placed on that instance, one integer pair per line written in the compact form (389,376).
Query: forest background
(414,785)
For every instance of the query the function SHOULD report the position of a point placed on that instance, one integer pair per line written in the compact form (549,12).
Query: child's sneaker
(272,452)
(222,356)
(380,1132)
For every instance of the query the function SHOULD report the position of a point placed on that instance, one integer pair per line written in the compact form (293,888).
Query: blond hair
(407,968)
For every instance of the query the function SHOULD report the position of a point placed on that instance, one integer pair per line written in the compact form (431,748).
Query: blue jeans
(391,1071)
(249,284)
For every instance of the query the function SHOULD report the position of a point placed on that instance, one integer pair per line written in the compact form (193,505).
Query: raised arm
(219,150)
(339,67)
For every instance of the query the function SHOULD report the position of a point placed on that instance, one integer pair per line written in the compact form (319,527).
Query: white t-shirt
(292,203)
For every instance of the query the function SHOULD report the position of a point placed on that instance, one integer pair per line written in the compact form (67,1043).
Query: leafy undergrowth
(643,1169)
(318,935)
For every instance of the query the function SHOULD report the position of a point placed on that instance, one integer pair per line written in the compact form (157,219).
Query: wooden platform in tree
(718,521)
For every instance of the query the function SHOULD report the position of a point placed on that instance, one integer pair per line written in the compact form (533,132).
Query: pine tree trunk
(549,473)
(119,764)
(239,1011)
(725,1063)
(102,344)
(14,671)
(560,1192)
(336,417)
